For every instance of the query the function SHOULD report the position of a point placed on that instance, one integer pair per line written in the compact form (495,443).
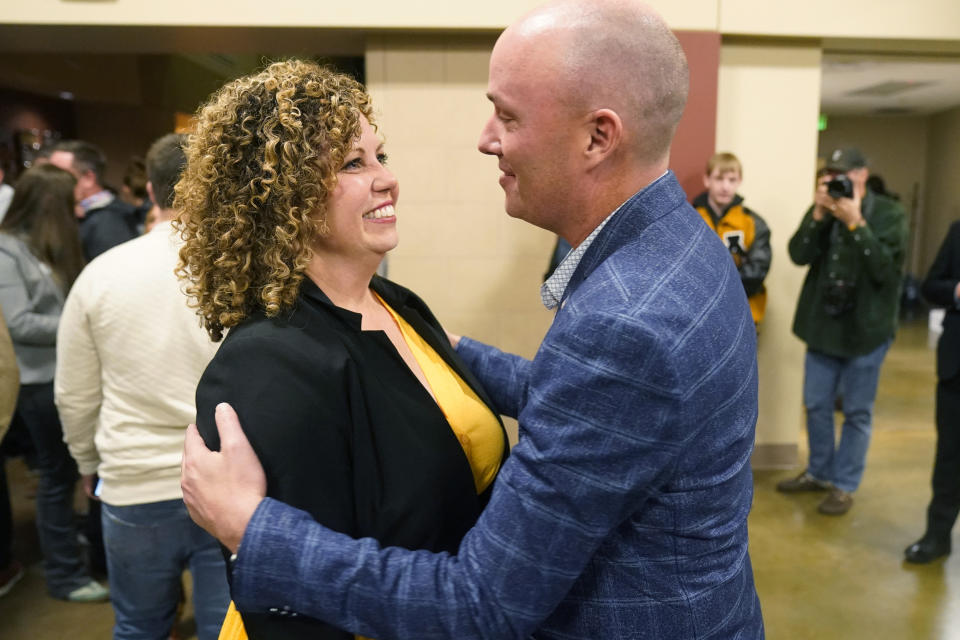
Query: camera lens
(840,187)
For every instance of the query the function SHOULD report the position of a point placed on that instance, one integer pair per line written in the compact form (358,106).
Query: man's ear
(706,182)
(605,129)
(90,178)
(150,192)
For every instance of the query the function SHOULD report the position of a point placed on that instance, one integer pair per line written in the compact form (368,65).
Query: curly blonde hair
(260,168)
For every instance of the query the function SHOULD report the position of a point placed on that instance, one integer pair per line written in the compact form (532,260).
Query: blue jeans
(148,546)
(856,380)
(63,566)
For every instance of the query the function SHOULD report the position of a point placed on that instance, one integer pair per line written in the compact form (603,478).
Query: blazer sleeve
(505,376)
(293,409)
(940,285)
(546,519)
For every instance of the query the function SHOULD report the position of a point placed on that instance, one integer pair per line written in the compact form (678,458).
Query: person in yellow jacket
(744,232)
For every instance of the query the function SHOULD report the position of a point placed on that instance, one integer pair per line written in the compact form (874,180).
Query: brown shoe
(836,504)
(803,482)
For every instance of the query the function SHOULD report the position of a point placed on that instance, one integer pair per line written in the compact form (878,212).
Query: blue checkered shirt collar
(551,291)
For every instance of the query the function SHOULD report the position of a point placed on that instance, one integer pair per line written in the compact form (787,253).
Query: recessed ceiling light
(66,95)
(890,88)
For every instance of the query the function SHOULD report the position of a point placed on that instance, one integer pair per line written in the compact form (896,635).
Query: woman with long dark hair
(40,257)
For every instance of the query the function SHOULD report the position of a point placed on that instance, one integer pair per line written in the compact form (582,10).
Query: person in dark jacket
(941,288)
(744,233)
(854,242)
(352,396)
(105,220)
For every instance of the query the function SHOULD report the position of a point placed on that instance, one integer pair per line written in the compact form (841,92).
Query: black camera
(840,186)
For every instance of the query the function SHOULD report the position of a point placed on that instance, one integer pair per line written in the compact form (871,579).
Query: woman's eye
(356,163)
(382,158)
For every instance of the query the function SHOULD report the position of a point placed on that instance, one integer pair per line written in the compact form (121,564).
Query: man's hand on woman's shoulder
(222,488)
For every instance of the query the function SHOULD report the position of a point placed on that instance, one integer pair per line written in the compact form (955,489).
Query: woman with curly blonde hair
(351,395)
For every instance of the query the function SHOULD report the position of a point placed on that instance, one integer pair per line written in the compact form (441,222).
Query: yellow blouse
(472,421)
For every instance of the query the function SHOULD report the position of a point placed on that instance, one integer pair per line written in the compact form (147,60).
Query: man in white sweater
(129,355)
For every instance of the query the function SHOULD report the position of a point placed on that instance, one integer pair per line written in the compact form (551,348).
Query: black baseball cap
(846,159)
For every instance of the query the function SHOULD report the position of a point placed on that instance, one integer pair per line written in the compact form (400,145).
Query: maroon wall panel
(696,136)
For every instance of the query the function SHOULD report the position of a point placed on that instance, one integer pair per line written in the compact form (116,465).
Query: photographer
(854,242)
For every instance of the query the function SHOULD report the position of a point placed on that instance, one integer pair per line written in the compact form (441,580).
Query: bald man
(622,512)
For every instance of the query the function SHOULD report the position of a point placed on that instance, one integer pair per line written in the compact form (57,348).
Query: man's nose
(489,142)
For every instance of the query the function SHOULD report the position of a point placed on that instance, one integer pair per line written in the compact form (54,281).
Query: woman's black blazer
(344,429)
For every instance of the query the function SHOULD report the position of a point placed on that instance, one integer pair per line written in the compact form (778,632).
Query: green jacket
(849,302)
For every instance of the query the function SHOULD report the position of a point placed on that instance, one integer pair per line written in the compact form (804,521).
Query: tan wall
(436,14)
(767,112)
(943,182)
(922,19)
(896,148)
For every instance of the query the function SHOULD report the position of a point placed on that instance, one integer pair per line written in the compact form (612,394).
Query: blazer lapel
(430,332)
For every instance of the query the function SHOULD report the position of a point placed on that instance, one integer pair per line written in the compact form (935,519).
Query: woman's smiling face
(361,214)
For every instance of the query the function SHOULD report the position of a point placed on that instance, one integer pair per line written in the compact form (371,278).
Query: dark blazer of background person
(105,227)
(939,289)
(323,400)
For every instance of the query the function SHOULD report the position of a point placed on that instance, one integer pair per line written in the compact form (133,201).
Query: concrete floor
(844,577)
(818,577)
